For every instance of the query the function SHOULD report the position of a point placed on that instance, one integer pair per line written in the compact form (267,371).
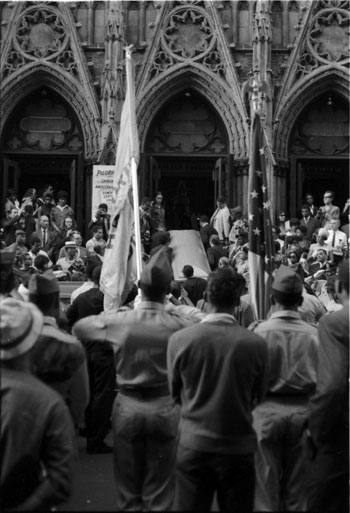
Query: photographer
(101,220)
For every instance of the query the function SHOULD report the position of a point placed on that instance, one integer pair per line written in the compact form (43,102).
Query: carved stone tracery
(327,40)
(40,34)
(188,34)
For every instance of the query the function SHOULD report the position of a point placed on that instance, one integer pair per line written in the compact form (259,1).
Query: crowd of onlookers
(42,230)
(201,396)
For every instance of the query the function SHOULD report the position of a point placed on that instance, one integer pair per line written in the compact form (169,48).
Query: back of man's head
(91,263)
(214,240)
(287,288)
(203,219)
(223,288)
(156,277)
(96,274)
(44,292)
(187,271)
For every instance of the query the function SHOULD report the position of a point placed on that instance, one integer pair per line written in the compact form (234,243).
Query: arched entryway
(186,157)
(42,143)
(319,149)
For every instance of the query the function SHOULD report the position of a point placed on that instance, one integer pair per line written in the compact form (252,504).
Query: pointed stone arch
(19,85)
(301,95)
(216,92)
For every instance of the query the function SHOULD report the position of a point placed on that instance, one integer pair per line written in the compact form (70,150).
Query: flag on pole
(119,265)
(261,248)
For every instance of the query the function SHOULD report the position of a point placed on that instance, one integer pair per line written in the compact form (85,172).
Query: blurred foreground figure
(217,373)
(328,422)
(36,440)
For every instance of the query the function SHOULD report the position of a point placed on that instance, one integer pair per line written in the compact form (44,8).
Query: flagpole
(135,195)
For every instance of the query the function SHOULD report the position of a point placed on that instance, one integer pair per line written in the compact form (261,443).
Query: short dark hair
(33,239)
(284,299)
(305,207)
(103,205)
(203,219)
(62,194)
(90,266)
(302,228)
(40,261)
(96,274)
(224,287)
(96,227)
(188,271)
(214,239)
(175,289)
(294,221)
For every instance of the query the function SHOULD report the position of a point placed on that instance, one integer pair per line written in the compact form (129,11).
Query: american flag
(261,248)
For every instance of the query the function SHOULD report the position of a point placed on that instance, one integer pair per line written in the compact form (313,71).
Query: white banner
(102,187)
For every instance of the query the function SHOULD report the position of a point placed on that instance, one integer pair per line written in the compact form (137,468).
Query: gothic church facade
(196,66)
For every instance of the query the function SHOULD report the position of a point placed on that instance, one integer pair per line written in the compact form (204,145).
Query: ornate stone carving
(188,33)
(187,126)
(40,33)
(329,35)
(44,125)
(324,131)
(327,40)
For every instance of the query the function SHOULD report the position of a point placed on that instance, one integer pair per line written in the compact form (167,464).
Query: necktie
(333,240)
(44,237)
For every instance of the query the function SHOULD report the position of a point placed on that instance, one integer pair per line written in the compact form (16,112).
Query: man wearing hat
(44,292)
(70,262)
(19,246)
(36,436)
(279,420)
(145,419)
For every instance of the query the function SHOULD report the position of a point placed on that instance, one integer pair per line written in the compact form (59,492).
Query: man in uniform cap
(44,292)
(36,436)
(279,420)
(145,419)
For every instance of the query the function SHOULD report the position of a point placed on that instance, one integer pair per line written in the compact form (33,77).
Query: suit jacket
(311,226)
(214,254)
(206,232)
(50,238)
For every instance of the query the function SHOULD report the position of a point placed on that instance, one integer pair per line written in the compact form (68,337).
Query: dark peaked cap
(287,281)
(157,272)
(43,284)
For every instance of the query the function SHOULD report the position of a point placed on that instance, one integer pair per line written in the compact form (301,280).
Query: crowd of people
(202,398)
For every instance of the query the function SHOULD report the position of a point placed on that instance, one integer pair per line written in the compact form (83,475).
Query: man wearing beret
(36,436)
(279,420)
(145,419)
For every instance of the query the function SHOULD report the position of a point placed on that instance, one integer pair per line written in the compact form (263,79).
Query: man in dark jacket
(215,252)
(194,286)
(217,372)
(206,231)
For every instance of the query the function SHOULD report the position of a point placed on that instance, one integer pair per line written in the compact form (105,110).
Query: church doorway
(42,144)
(186,159)
(320,153)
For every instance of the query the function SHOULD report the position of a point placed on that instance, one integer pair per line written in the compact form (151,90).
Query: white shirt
(220,220)
(340,243)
